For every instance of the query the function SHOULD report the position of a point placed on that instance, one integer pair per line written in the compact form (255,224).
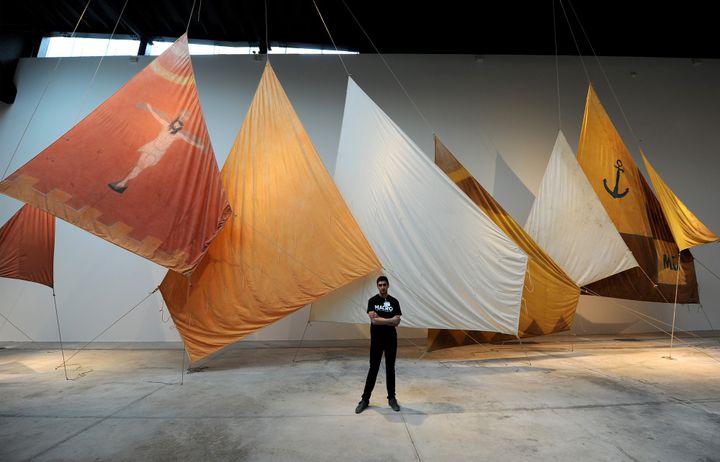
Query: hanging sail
(291,240)
(549,296)
(27,246)
(139,171)
(687,230)
(637,215)
(568,221)
(448,263)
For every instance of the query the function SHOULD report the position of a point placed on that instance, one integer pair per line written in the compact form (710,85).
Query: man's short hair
(381,279)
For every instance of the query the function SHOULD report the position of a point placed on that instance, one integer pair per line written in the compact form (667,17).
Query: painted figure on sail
(151,153)
(636,214)
(138,171)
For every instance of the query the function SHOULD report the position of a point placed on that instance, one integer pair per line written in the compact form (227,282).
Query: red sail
(27,246)
(139,171)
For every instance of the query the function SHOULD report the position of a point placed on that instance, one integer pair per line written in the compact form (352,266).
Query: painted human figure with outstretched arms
(151,153)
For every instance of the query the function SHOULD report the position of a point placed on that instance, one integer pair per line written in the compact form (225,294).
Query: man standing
(384,312)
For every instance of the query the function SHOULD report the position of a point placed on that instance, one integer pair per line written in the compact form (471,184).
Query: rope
(331,39)
(92,80)
(708,269)
(485,138)
(187,28)
(522,347)
(297,350)
(528,280)
(637,141)
(389,68)
(16,327)
(577,47)
(486,346)
(557,66)
(654,284)
(267,34)
(587,75)
(189,322)
(42,94)
(162,312)
(111,325)
(14,305)
(182,370)
(591,292)
(602,70)
(641,316)
(424,350)
(57,318)
(702,308)
(677,282)
(187,299)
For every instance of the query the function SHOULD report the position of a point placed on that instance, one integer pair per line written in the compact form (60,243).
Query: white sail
(449,265)
(568,221)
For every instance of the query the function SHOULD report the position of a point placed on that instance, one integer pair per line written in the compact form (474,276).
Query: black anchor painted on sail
(614,192)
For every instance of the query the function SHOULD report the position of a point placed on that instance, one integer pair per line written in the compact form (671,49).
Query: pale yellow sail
(687,230)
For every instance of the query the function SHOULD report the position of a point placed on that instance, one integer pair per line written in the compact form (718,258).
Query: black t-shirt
(385,308)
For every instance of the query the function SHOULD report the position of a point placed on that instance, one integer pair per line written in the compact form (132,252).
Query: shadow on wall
(584,325)
(510,192)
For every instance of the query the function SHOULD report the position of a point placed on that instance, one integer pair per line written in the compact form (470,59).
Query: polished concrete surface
(556,398)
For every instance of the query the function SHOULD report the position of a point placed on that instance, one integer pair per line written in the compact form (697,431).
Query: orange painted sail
(550,296)
(27,246)
(637,215)
(687,230)
(291,239)
(139,171)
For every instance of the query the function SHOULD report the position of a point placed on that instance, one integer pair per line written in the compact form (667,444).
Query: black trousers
(382,340)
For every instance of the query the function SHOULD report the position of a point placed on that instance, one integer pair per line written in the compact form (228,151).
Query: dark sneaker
(394,404)
(362,405)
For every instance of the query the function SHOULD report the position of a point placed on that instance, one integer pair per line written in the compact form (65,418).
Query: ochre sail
(637,215)
(139,171)
(291,239)
(550,297)
(27,246)
(687,230)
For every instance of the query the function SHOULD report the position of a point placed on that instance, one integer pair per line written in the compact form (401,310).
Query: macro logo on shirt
(386,307)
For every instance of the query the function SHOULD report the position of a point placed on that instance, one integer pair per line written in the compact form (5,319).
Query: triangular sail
(27,246)
(636,214)
(550,297)
(449,265)
(139,171)
(687,230)
(291,239)
(568,221)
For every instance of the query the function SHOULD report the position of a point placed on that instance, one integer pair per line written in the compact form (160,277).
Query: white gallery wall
(498,114)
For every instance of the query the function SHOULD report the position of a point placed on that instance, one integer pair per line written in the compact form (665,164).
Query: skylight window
(158,47)
(56,47)
(309,51)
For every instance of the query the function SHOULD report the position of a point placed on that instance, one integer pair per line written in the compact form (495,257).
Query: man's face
(383,287)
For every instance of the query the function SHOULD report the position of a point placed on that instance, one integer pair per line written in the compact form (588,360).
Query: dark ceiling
(615,28)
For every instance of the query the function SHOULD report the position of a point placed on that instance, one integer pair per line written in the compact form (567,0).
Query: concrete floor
(558,398)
